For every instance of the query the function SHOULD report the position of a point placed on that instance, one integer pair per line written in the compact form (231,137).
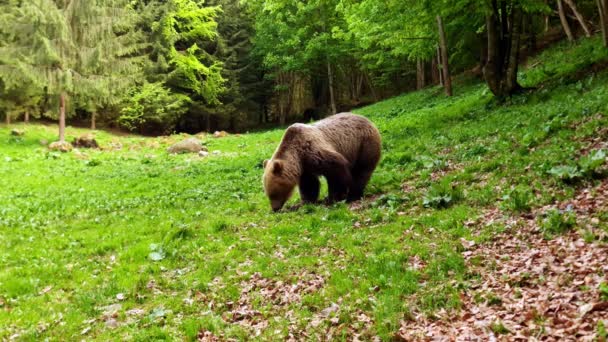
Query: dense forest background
(156,67)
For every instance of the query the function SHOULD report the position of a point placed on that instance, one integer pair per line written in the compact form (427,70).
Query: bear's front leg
(309,188)
(339,182)
(336,169)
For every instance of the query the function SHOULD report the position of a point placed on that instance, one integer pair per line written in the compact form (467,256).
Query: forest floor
(483,221)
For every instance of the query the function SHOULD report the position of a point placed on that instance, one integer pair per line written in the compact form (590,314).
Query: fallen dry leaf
(528,287)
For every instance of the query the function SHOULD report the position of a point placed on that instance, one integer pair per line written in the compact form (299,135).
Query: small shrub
(399,159)
(602,332)
(604,291)
(518,200)
(588,166)
(499,329)
(476,151)
(432,164)
(442,195)
(566,173)
(219,225)
(92,162)
(390,201)
(558,221)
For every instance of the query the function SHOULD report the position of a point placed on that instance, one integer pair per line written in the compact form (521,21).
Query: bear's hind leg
(309,188)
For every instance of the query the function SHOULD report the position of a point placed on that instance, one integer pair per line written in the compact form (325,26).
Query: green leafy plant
(588,166)
(518,200)
(434,164)
(389,201)
(566,173)
(442,195)
(558,221)
(604,291)
(499,328)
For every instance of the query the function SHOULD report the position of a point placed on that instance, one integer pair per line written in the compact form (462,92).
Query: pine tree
(71,48)
(241,68)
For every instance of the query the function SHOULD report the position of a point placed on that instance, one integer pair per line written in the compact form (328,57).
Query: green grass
(178,235)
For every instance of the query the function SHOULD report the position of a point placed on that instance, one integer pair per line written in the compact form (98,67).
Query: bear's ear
(277,168)
(265,163)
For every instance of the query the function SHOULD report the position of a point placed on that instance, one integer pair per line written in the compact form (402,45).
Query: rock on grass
(190,145)
(62,146)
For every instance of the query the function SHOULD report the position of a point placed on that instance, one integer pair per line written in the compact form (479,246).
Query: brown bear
(344,148)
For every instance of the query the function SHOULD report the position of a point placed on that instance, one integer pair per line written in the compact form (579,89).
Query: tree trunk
(359,86)
(500,71)
(579,17)
(62,99)
(208,123)
(529,33)
(444,57)
(419,74)
(332,100)
(8,118)
(434,71)
(439,64)
(418,77)
(93,123)
(602,6)
(26,119)
(564,20)
(546,18)
(371,86)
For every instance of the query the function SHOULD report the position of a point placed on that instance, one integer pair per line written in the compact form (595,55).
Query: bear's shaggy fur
(344,148)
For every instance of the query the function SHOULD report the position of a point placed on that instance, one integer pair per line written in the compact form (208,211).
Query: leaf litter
(526,287)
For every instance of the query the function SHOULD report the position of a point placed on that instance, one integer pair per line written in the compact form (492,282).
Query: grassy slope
(77,230)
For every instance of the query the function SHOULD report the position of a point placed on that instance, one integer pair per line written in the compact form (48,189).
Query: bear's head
(278,184)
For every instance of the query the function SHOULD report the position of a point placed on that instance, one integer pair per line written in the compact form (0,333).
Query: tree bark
(359,86)
(444,57)
(62,99)
(546,18)
(513,61)
(602,6)
(434,71)
(564,20)
(439,64)
(332,100)
(371,86)
(500,71)
(26,119)
(579,17)
(419,74)
(529,33)
(93,123)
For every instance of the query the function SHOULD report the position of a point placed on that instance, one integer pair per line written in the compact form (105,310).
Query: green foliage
(185,22)
(604,291)
(442,195)
(499,328)
(558,222)
(566,172)
(602,332)
(75,48)
(518,200)
(74,236)
(588,166)
(153,105)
